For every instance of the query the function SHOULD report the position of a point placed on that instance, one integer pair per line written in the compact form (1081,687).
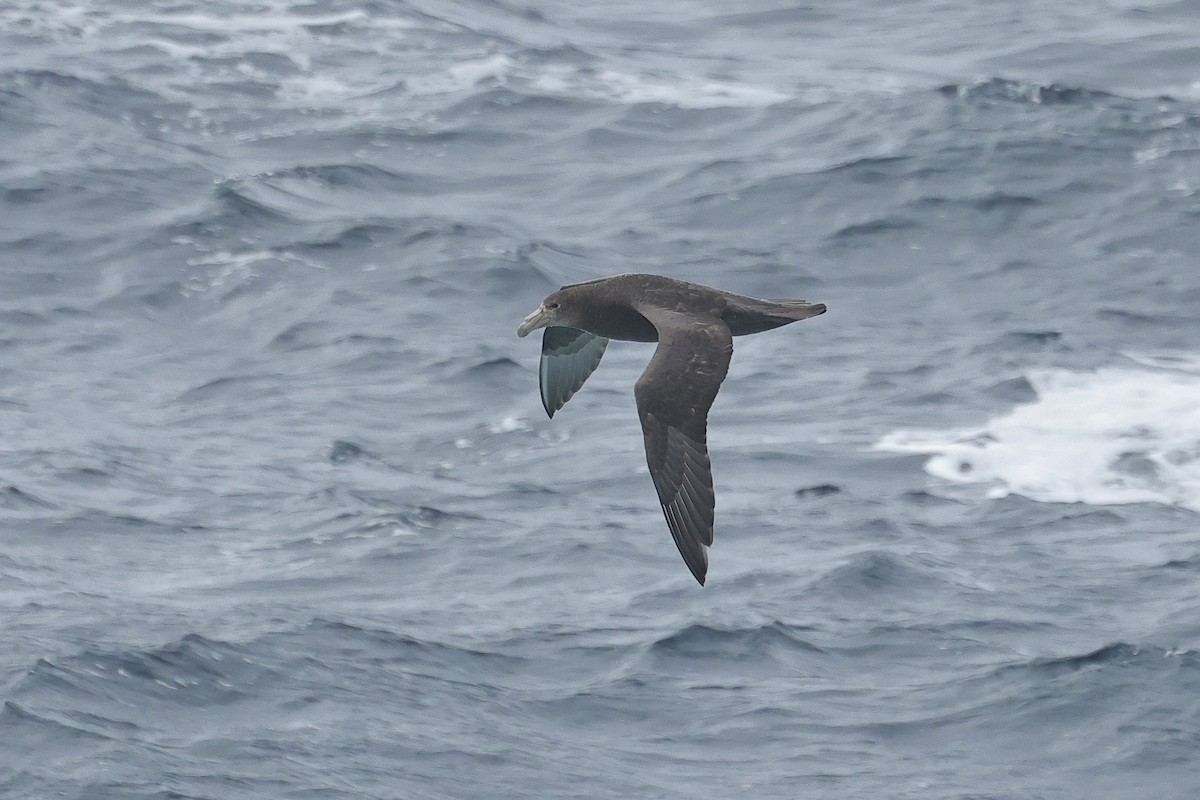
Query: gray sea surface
(281,515)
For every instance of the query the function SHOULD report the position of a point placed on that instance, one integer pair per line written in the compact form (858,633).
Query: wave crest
(1111,436)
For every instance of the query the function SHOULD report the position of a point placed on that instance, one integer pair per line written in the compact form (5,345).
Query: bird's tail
(794,310)
(749,315)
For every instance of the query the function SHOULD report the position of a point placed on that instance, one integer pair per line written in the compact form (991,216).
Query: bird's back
(743,315)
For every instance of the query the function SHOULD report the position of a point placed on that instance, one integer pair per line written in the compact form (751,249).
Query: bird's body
(694,326)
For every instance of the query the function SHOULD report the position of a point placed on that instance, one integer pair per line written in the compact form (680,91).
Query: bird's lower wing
(674,395)
(569,356)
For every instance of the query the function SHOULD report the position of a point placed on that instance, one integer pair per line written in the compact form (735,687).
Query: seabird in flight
(694,326)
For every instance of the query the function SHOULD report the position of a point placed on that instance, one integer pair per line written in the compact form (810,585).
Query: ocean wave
(818,491)
(1115,653)
(39,733)
(1049,695)
(702,642)
(364,177)
(883,225)
(679,90)
(253,203)
(1110,436)
(575,77)
(984,203)
(354,236)
(198,670)
(336,645)
(1112,667)
(114,99)
(872,572)
(17,110)
(13,498)
(1008,90)
(194,671)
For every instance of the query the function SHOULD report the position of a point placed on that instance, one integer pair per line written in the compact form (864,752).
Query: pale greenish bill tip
(531,323)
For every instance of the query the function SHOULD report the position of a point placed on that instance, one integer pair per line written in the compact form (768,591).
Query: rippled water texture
(281,515)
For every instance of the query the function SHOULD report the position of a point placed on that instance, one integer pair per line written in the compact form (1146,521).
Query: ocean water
(281,515)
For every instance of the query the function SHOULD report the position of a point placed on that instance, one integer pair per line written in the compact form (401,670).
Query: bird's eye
(551,306)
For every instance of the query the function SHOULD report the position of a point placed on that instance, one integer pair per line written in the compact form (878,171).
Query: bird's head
(559,308)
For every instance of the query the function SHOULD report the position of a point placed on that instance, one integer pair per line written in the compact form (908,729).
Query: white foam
(689,92)
(508,424)
(462,76)
(1111,436)
(681,91)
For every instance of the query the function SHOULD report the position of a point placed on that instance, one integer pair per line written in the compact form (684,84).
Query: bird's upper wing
(674,395)
(568,357)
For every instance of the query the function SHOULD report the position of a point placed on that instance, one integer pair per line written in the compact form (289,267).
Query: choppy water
(282,516)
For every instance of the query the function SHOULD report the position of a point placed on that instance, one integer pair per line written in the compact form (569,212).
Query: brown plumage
(694,326)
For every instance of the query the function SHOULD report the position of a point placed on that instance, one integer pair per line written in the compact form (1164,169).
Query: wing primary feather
(674,394)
